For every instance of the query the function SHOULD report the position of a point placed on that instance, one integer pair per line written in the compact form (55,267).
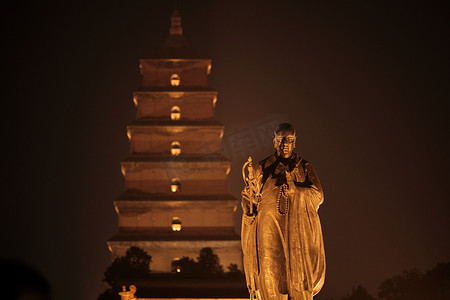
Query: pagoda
(175,200)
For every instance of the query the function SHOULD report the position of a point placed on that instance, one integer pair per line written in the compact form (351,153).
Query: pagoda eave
(220,165)
(176,92)
(173,125)
(139,196)
(143,158)
(132,208)
(167,89)
(162,59)
(176,239)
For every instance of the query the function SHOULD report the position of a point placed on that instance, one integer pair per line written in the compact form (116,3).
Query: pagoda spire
(175,24)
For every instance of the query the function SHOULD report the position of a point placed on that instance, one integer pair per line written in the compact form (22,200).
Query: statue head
(284,140)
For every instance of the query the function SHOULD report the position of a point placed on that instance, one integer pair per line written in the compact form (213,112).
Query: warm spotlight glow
(221,133)
(175,114)
(129,134)
(176,224)
(175,185)
(208,71)
(175,265)
(214,101)
(135,101)
(176,95)
(175,148)
(175,80)
(228,171)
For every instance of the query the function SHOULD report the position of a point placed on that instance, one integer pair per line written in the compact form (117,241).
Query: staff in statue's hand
(252,183)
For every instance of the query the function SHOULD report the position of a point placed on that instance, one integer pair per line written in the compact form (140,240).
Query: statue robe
(284,257)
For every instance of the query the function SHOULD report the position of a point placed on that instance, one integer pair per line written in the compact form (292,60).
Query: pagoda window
(176,268)
(175,80)
(175,113)
(176,224)
(175,185)
(175,148)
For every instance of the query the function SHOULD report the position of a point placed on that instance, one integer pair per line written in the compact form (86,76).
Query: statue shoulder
(304,163)
(267,161)
(307,166)
(263,164)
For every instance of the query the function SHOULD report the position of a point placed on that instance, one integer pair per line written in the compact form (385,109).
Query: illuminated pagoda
(176,201)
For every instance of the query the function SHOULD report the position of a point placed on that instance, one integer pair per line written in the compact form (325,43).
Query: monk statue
(284,256)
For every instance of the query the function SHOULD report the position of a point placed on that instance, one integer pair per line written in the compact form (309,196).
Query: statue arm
(246,201)
(315,186)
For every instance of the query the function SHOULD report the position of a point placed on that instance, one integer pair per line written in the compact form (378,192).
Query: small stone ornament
(128,295)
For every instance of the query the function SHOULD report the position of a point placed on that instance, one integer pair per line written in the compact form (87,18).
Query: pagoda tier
(146,222)
(197,105)
(144,214)
(158,136)
(155,217)
(205,175)
(193,72)
(164,253)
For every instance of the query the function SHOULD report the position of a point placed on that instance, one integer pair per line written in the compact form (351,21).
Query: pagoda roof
(168,122)
(175,46)
(177,89)
(131,203)
(137,157)
(186,234)
(135,195)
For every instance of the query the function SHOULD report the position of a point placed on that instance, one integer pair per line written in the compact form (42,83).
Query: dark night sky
(364,82)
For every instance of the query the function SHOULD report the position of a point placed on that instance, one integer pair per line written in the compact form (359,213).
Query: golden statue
(284,257)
